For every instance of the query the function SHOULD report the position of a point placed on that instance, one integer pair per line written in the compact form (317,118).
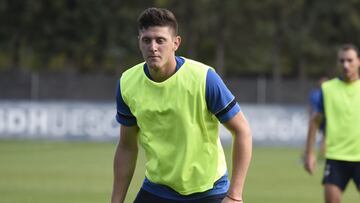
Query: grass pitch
(81,172)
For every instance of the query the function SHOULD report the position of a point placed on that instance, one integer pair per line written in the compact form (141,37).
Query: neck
(351,79)
(163,73)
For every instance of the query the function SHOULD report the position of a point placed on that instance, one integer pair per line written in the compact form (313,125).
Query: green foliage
(289,38)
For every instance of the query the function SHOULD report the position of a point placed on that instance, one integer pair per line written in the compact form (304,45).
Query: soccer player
(340,98)
(172,106)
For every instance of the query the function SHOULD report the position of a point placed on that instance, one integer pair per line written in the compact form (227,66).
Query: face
(349,63)
(158,45)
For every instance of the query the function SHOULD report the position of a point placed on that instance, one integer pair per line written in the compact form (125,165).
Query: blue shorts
(339,173)
(146,197)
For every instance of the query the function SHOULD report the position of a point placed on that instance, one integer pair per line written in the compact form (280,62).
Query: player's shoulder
(333,80)
(330,83)
(133,70)
(196,64)
(131,77)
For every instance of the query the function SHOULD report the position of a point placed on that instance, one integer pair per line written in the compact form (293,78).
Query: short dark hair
(157,17)
(347,47)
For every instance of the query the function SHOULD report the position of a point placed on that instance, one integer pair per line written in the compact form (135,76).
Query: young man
(172,106)
(340,98)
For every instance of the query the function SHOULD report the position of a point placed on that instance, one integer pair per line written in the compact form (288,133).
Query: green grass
(81,172)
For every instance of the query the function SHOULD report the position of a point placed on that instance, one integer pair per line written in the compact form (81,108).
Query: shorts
(339,173)
(146,197)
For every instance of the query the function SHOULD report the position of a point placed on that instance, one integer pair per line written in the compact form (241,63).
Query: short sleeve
(220,101)
(123,114)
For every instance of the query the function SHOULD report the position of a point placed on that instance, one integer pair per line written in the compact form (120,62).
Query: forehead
(156,31)
(349,53)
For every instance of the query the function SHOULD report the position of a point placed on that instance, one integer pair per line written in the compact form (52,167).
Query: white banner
(84,120)
(58,120)
(277,124)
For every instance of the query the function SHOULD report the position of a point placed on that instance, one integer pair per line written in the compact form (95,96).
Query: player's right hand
(310,163)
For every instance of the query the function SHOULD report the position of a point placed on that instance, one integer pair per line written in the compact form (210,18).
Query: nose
(345,65)
(153,46)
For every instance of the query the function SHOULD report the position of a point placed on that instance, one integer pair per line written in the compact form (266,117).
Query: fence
(101,87)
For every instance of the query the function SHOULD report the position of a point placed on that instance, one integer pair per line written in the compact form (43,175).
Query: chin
(153,66)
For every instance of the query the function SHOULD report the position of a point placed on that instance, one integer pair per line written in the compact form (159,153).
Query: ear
(177,42)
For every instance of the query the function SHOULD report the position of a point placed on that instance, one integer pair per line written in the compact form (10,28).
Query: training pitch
(41,171)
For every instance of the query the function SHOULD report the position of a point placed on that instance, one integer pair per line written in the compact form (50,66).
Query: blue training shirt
(219,99)
(317,105)
(220,102)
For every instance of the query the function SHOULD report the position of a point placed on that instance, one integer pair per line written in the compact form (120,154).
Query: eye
(160,40)
(145,40)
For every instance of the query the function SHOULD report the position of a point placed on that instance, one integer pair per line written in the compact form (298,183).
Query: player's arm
(309,156)
(126,150)
(222,103)
(124,162)
(241,154)
(316,118)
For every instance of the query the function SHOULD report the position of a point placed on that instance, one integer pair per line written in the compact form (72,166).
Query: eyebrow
(345,59)
(158,37)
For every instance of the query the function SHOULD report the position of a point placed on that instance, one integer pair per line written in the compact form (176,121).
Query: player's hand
(310,163)
(228,200)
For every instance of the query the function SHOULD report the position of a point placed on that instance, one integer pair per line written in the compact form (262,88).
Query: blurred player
(341,98)
(172,105)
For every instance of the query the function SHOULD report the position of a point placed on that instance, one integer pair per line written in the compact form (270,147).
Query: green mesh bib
(342,101)
(178,133)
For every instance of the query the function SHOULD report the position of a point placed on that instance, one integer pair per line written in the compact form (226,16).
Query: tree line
(271,38)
